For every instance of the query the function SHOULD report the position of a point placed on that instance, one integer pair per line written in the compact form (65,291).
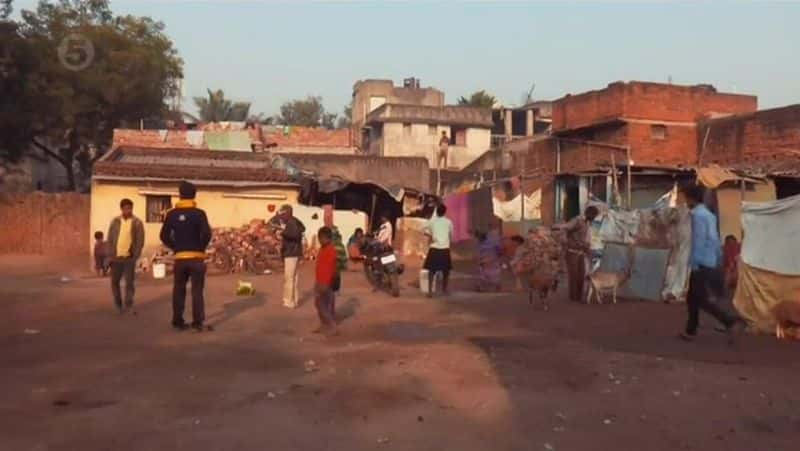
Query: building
(396,130)
(513,124)
(233,187)
(765,143)
(651,128)
(368,95)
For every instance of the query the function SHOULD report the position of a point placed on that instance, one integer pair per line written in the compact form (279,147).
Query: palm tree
(481,99)
(217,108)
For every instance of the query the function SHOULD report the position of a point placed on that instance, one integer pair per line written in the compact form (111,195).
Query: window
(407,129)
(658,131)
(458,136)
(157,207)
(432,130)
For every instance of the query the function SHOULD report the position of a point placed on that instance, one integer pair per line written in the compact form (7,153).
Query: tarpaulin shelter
(770,261)
(654,244)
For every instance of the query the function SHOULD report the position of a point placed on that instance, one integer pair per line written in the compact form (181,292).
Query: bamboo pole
(628,150)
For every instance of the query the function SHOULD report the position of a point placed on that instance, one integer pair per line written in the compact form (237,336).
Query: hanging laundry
(458,212)
(195,138)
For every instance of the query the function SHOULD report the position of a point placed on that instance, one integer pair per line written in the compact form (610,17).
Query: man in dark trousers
(705,259)
(125,243)
(187,233)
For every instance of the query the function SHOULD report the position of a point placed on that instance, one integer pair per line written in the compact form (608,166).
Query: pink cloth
(458,212)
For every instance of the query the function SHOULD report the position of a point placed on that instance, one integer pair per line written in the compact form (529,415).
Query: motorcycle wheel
(394,285)
(368,274)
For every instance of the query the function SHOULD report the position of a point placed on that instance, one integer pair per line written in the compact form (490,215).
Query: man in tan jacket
(125,243)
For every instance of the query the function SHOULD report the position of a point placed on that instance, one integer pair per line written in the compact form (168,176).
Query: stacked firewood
(258,236)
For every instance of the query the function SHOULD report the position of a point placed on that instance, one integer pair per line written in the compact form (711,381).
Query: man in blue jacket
(187,233)
(705,262)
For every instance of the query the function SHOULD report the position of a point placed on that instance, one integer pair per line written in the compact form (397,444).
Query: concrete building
(652,126)
(368,95)
(233,187)
(396,130)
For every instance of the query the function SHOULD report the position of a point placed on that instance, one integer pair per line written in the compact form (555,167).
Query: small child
(100,255)
(326,280)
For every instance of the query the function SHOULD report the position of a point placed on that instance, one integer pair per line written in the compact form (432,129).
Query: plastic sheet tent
(770,269)
(660,238)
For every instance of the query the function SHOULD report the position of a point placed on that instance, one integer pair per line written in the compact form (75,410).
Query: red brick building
(764,142)
(654,125)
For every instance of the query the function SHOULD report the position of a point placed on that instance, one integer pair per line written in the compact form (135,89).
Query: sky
(269,52)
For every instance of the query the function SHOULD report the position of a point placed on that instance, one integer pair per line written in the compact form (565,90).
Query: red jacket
(326,265)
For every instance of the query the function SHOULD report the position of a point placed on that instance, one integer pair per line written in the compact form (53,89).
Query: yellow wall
(222,209)
(729,204)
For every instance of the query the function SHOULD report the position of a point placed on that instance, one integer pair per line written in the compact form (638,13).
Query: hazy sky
(269,52)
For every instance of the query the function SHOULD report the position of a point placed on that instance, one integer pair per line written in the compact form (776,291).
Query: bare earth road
(469,373)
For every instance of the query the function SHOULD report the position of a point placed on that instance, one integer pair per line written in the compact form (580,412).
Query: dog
(787,314)
(544,284)
(603,282)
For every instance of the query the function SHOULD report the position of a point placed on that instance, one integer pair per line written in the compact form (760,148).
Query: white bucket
(159,270)
(423,281)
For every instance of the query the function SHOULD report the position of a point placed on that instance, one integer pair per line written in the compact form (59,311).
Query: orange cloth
(326,265)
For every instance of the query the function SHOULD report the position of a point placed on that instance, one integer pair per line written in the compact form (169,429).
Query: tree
(308,112)
(5,8)
(481,99)
(91,72)
(346,119)
(217,108)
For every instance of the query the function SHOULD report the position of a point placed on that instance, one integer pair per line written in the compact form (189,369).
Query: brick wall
(651,101)
(756,138)
(677,148)
(43,223)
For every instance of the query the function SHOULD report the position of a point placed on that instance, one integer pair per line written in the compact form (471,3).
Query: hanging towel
(195,138)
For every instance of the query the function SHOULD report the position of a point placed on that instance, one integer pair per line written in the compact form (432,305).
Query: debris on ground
(65,279)
(311,366)
(383,440)
(31,331)
(549,447)
(271,395)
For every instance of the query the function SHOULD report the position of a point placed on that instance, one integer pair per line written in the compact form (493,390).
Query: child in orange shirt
(326,281)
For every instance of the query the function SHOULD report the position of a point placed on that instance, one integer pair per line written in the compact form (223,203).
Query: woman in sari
(490,253)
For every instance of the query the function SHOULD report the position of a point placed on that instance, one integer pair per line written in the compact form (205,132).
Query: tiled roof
(189,164)
(442,115)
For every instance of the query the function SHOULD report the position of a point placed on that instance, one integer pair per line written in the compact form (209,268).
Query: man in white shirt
(385,232)
(440,231)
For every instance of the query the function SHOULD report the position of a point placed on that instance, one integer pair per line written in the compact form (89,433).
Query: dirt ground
(468,373)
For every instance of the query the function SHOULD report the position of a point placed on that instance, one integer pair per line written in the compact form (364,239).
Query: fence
(44,223)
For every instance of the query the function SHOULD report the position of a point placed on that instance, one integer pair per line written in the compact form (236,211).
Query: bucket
(423,281)
(159,270)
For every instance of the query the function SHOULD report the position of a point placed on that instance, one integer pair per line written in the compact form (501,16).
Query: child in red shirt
(326,281)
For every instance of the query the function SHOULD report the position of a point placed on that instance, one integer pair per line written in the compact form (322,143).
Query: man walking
(705,261)
(292,252)
(125,243)
(187,233)
(440,231)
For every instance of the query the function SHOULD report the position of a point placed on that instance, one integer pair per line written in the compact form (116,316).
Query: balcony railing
(499,140)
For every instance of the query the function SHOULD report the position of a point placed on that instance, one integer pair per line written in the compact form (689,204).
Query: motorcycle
(381,267)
